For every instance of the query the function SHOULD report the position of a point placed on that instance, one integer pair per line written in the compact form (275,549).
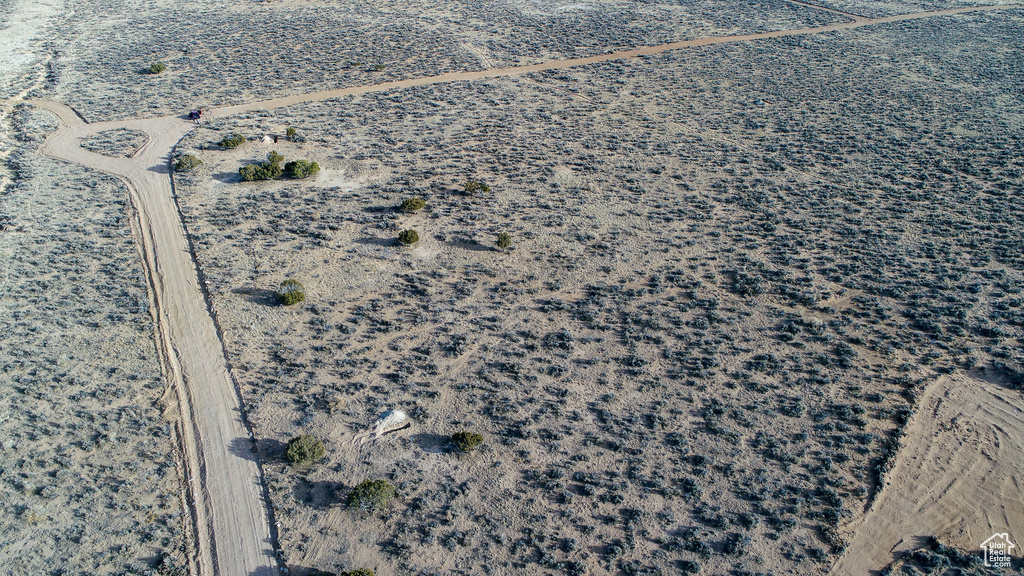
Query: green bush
(157,67)
(412,205)
(301,169)
(186,163)
(291,292)
(379,67)
(304,450)
(268,170)
(359,572)
(371,495)
(474,187)
(233,141)
(504,240)
(466,442)
(408,237)
(290,133)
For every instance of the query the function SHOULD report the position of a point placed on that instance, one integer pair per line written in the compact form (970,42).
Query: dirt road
(230,531)
(230,523)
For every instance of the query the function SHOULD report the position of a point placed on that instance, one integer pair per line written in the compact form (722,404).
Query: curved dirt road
(230,529)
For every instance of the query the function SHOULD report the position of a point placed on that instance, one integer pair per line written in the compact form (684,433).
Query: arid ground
(761,312)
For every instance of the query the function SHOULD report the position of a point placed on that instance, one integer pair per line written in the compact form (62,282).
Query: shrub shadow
(244,448)
(299,571)
(1001,376)
(430,442)
(319,494)
(227,177)
(371,241)
(261,296)
(270,449)
(467,244)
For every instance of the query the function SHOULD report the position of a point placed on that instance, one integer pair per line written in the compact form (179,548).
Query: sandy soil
(468,336)
(230,521)
(958,476)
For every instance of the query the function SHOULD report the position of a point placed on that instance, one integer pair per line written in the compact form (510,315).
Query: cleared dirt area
(958,476)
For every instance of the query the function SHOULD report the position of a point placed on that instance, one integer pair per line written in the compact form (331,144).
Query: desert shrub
(746,284)
(474,187)
(408,237)
(304,450)
(358,572)
(157,67)
(412,205)
(268,170)
(736,544)
(301,169)
(291,292)
(379,67)
(689,567)
(504,240)
(371,495)
(290,133)
(232,141)
(186,163)
(466,442)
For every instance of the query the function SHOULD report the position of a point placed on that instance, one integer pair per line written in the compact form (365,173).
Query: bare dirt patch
(958,475)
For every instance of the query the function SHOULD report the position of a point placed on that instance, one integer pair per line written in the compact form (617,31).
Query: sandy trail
(958,476)
(856,22)
(230,529)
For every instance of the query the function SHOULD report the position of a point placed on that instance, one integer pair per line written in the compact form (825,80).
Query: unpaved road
(230,523)
(230,529)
